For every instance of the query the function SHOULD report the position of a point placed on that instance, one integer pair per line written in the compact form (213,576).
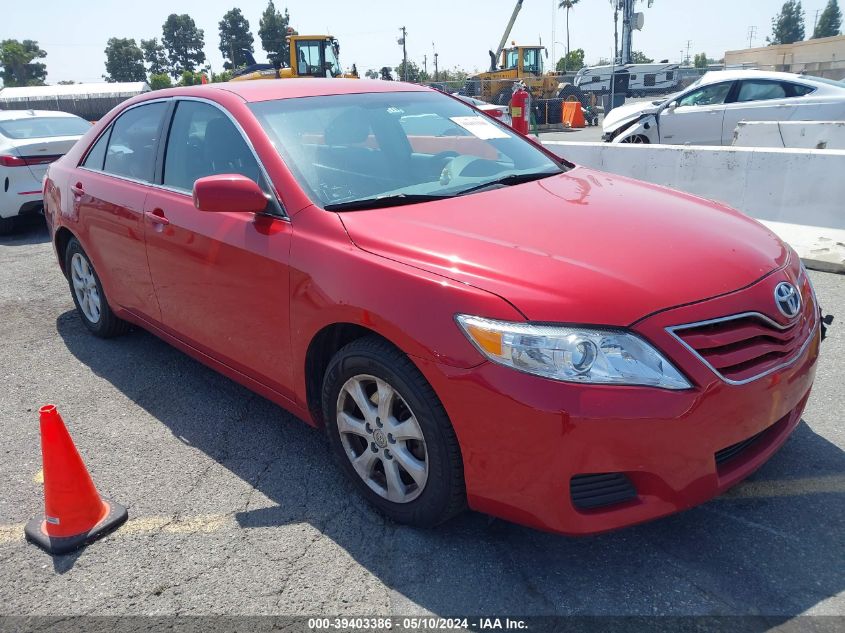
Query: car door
(697,116)
(109,189)
(758,100)
(221,278)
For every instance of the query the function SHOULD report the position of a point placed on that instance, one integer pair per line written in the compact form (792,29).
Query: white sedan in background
(708,111)
(29,141)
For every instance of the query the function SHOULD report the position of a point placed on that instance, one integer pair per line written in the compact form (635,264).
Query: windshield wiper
(379,202)
(510,180)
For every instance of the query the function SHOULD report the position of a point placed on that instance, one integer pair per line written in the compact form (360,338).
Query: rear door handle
(156,216)
(77,189)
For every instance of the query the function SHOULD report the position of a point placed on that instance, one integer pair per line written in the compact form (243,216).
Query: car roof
(740,73)
(11,115)
(270,89)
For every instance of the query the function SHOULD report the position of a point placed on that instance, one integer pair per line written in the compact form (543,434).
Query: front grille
(747,346)
(598,490)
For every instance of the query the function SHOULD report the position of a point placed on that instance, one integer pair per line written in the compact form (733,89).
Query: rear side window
(203,142)
(134,138)
(751,90)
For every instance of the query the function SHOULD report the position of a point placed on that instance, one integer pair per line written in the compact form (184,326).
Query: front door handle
(157,216)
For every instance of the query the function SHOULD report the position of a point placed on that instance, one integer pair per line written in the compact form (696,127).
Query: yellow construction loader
(310,56)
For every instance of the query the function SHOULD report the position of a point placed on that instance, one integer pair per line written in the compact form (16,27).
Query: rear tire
(383,415)
(7,225)
(92,306)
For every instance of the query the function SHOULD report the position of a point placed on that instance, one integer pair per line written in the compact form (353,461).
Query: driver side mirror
(229,192)
(671,107)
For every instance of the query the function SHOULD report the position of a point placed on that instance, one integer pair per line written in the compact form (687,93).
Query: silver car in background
(708,111)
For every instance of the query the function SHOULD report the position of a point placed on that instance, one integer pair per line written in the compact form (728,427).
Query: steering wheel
(454,167)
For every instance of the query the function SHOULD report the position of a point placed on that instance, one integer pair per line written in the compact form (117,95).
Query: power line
(752,31)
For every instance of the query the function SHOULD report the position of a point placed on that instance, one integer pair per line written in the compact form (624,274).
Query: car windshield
(43,127)
(395,146)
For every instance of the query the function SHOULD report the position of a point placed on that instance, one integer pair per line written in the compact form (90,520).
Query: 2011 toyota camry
(473,321)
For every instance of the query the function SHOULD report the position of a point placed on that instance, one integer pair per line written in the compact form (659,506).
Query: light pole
(404,54)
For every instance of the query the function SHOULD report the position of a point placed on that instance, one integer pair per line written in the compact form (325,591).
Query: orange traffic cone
(74,512)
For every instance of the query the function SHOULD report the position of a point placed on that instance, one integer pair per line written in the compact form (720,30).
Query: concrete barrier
(794,134)
(800,194)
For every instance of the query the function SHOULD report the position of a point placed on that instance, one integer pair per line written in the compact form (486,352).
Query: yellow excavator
(519,63)
(310,56)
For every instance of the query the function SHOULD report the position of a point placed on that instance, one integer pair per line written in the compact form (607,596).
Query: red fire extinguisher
(519,110)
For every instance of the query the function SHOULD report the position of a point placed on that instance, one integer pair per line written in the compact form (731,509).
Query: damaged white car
(708,111)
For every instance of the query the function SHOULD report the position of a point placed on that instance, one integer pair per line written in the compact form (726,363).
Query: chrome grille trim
(786,363)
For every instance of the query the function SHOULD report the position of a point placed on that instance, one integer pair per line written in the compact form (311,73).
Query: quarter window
(134,138)
(203,142)
(97,155)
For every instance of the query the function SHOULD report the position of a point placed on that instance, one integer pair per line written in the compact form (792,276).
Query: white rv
(645,79)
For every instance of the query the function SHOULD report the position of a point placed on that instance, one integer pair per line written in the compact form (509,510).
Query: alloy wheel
(382,438)
(85,287)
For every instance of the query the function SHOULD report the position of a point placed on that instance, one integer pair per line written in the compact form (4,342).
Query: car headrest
(349,127)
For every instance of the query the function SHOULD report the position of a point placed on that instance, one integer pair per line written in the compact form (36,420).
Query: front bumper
(524,438)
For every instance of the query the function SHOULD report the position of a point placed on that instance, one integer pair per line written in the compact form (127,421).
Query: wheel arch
(321,349)
(61,240)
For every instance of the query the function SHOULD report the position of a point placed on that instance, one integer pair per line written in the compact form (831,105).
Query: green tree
(371,74)
(273,32)
(700,60)
(788,26)
(235,39)
(190,78)
(638,57)
(184,42)
(217,78)
(830,21)
(124,60)
(413,72)
(66,82)
(573,60)
(155,57)
(160,80)
(567,4)
(19,69)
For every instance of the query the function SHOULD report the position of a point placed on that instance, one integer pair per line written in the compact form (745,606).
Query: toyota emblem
(787,299)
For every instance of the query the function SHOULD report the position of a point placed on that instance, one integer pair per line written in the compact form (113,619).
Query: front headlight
(572,354)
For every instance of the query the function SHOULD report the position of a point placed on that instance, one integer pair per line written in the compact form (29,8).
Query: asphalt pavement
(237,508)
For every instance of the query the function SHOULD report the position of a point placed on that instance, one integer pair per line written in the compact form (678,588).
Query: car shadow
(754,555)
(27,230)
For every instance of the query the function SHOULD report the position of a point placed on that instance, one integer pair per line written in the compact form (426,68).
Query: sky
(74,32)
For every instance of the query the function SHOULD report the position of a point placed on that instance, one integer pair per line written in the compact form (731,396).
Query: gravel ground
(236,507)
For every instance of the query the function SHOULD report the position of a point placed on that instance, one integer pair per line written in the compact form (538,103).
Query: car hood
(625,114)
(582,247)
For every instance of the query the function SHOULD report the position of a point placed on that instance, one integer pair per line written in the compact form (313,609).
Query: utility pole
(816,20)
(425,64)
(435,66)
(404,54)
(689,43)
(752,31)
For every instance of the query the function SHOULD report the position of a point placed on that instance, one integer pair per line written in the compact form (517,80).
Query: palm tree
(567,4)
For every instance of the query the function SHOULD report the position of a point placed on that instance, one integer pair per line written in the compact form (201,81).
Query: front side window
(395,145)
(714,94)
(203,142)
(754,90)
(133,142)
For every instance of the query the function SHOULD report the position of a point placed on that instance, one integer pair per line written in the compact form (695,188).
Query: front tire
(88,296)
(391,435)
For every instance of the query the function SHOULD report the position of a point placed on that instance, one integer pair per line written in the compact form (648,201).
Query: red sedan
(473,321)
